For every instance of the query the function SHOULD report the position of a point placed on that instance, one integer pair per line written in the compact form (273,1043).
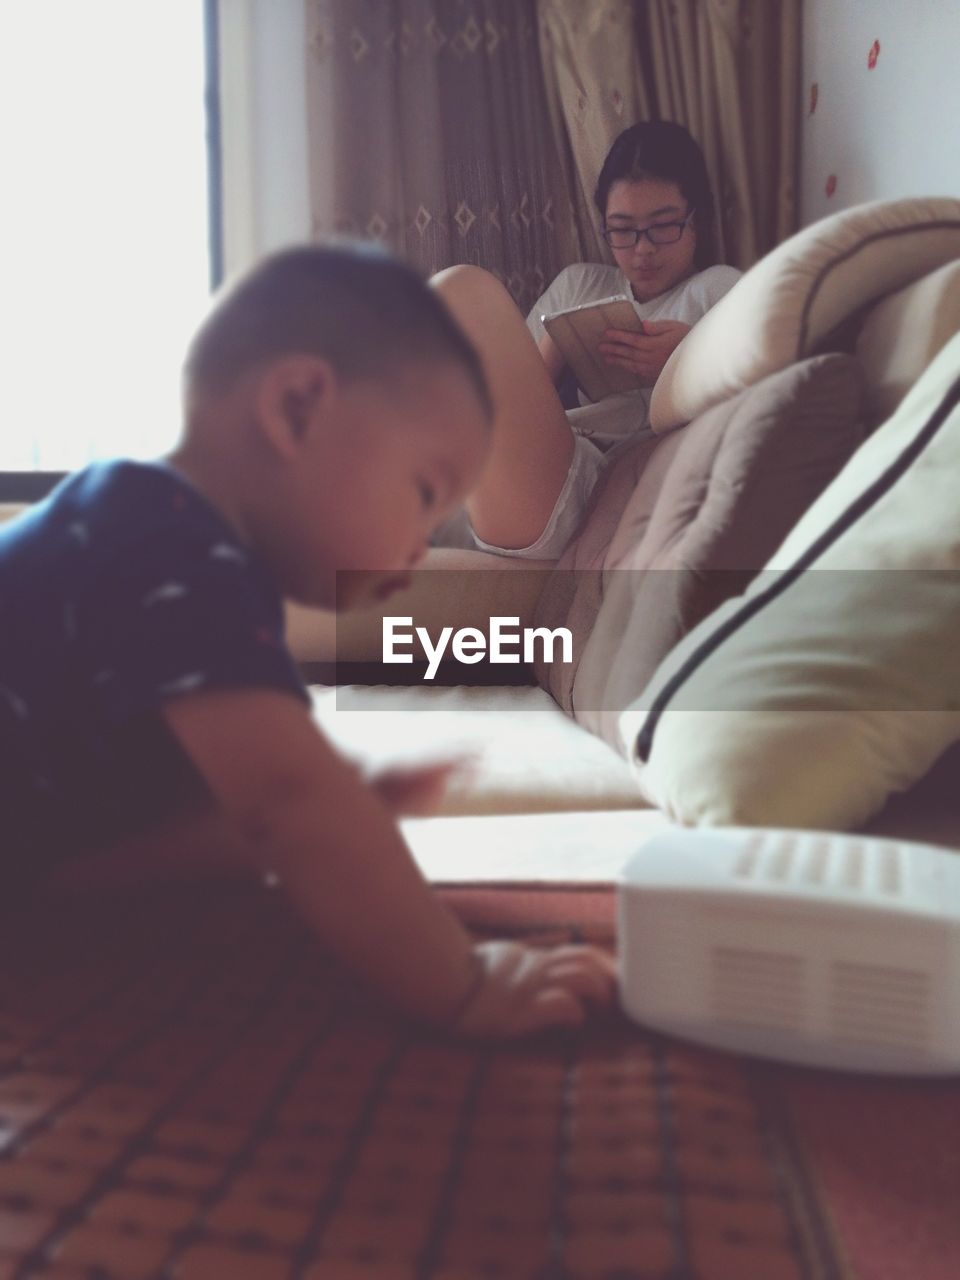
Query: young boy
(150,714)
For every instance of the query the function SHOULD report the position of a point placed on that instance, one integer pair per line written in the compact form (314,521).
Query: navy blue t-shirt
(123,589)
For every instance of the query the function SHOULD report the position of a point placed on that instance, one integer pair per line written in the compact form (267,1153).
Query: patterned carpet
(189,1089)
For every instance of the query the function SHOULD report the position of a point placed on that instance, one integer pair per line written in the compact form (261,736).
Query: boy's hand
(418,790)
(523,989)
(645,353)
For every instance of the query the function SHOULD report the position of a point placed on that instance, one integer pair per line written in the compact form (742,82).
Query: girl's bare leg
(532,441)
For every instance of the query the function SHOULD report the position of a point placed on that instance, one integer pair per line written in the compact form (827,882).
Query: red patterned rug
(190,1091)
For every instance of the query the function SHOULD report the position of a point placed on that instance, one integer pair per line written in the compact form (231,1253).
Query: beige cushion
(835,680)
(683,523)
(902,334)
(786,305)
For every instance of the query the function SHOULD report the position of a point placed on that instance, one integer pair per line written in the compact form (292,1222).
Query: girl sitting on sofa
(657,207)
(657,210)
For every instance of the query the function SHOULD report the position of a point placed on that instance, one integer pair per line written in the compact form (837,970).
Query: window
(104,238)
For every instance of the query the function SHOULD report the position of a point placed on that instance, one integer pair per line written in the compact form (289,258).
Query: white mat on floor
(528,757)
(530,848)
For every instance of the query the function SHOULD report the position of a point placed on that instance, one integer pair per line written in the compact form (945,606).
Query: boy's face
(396,460)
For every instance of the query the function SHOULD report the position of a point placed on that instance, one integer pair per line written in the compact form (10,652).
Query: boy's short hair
(368,314)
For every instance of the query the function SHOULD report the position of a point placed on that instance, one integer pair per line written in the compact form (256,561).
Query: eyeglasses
(659,233)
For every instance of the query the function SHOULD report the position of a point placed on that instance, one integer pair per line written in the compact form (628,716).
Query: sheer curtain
(730,71)
(594,90)
(104,251)
(429,130)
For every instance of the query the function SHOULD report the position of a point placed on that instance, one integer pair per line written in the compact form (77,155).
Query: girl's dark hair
(661,149)
(368,314)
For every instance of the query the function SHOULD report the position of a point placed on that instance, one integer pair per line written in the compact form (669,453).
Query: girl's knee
(474,285)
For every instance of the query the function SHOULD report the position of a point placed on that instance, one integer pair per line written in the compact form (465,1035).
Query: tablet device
(577,333)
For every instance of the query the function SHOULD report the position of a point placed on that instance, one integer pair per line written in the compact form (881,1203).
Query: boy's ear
(293,396)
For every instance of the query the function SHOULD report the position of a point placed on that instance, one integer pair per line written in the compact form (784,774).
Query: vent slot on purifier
(821,861)
(757,988)
(882,1005)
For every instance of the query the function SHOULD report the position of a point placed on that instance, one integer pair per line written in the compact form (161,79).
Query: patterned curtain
(729,70)
(594,90)
(429,130)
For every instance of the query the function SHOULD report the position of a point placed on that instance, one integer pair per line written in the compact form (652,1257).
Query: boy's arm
(302,811)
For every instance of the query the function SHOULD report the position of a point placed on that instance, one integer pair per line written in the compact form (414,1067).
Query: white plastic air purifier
(829,950)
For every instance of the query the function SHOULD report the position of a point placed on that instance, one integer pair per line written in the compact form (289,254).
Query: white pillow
(835,680)
(786,304)
(902,334)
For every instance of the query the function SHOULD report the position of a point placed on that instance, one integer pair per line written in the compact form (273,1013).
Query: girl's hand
(643,354)
(521,989)
(417,790)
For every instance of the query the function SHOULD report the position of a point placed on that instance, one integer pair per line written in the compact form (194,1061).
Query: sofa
(762,598)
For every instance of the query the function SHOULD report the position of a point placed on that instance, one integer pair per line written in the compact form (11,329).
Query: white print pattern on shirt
(183,684)
(163,595)
(225,551)
(15,703)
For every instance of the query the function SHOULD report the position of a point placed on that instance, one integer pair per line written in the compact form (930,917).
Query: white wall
(280,72)
(264,127)
(887,132)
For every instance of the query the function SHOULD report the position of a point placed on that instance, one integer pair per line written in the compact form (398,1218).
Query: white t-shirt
(618,416)
(591,281)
